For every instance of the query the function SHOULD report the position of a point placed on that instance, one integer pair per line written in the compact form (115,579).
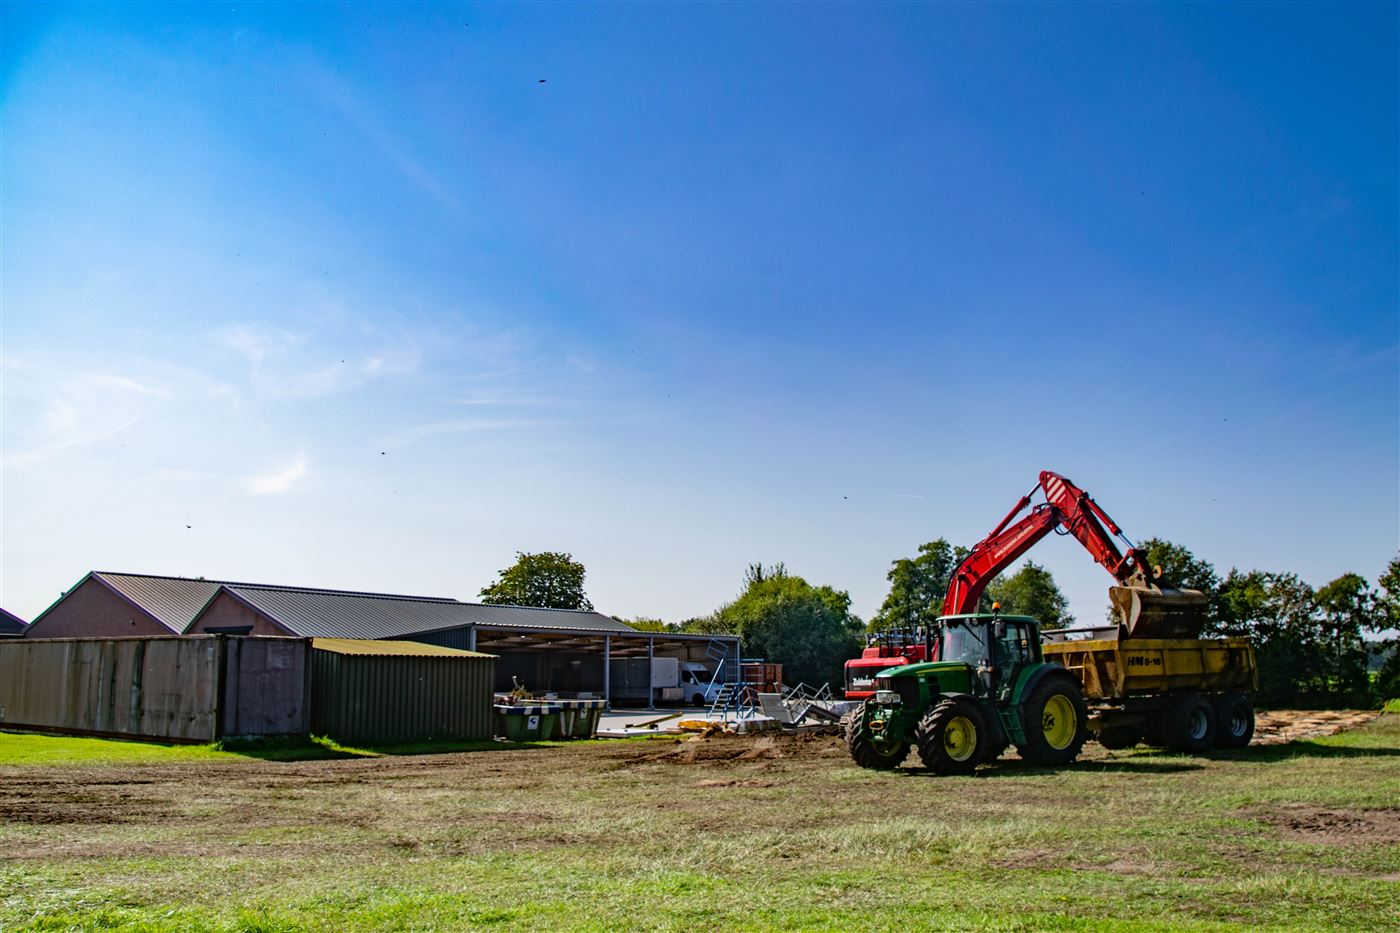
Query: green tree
(1345,609)
(1031,591)
(917,586)
(1387,622)
(808,629)
(1277,612)
(642,624)
(548,580)
(1179,566)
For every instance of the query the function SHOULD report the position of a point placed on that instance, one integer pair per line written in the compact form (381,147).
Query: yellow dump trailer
(1184,693)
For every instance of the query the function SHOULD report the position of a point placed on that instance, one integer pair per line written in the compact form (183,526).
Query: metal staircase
(735,700)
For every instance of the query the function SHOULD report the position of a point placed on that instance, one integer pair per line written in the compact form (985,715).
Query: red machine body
(861,671)
(1066,506)
(1147,606)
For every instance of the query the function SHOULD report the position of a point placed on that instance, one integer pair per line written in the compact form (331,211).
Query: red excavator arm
(1146,606)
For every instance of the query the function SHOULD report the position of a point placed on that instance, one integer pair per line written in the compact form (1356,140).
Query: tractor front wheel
(1056,722)
(861,744)
(952,737)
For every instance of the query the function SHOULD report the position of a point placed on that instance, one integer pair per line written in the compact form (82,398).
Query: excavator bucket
(1159,612)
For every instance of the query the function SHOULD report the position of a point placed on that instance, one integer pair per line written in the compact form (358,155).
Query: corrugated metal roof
(330,614)
(384,648)
(10,624)
(175,601)
(323,613)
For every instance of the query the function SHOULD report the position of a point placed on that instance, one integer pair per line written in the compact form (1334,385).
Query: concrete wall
(195,689)
(94,610)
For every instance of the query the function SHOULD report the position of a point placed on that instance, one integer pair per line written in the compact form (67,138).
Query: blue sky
(375,296)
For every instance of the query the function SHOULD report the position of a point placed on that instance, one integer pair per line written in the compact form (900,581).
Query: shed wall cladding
(227,613)
(379,699)
(91,610)
(167,687)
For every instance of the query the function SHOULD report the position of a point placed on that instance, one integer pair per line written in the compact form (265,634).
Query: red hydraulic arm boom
(1069,507)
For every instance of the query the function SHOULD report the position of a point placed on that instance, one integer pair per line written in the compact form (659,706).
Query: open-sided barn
(558,650)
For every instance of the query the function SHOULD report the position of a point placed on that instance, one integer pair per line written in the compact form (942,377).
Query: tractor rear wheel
(1188,723)
(952,737)
(1234,720)
(861,744)
(1056,722)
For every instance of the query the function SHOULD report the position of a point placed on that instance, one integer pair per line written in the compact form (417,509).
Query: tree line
(807,628)
(1311,644)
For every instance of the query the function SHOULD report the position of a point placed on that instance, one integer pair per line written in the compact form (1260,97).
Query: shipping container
(180,688)
(385,692)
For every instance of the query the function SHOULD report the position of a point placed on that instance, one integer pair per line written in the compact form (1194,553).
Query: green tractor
(991,688)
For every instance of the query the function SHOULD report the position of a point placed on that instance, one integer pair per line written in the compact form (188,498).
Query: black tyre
(1188,723)
(864,750)
(698,700)
(1056,722)
(1234,720)
(1152,730)
(952,737)
(1116,737)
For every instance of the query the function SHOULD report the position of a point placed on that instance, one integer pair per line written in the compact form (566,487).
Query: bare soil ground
(770,831)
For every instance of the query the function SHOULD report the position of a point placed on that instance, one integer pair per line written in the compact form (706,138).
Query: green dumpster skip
(579,719)
(527,722)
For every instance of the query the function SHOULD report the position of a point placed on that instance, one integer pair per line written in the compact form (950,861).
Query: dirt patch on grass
(1334,827)
(1283,726)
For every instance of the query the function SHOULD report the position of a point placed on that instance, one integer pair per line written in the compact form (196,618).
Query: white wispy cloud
(52,407)
(458,426)
(291,364)
(277,481)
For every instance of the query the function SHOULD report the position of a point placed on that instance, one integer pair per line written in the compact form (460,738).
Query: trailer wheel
(1188,723)
(1056,722)
(952,737)
(863,749)
(1234,720)
(1116,737)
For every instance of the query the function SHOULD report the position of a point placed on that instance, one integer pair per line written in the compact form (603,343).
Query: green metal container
(527,722)
(579,718)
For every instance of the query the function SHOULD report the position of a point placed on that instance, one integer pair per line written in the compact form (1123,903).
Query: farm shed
(558,650)
(169,687)
(398,691)
(555,650)
(116,605)
(11,625)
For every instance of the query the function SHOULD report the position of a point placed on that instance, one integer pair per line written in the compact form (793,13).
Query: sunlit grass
(598,837)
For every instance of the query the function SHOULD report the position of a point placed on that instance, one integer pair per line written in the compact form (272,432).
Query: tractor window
(964,643)
(1013,647)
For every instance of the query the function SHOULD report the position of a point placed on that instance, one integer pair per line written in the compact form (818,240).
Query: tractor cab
(996,648)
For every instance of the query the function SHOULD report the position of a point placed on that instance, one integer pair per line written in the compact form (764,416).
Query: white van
(697,687)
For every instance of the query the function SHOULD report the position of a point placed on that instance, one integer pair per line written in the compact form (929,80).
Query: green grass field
(727,833)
